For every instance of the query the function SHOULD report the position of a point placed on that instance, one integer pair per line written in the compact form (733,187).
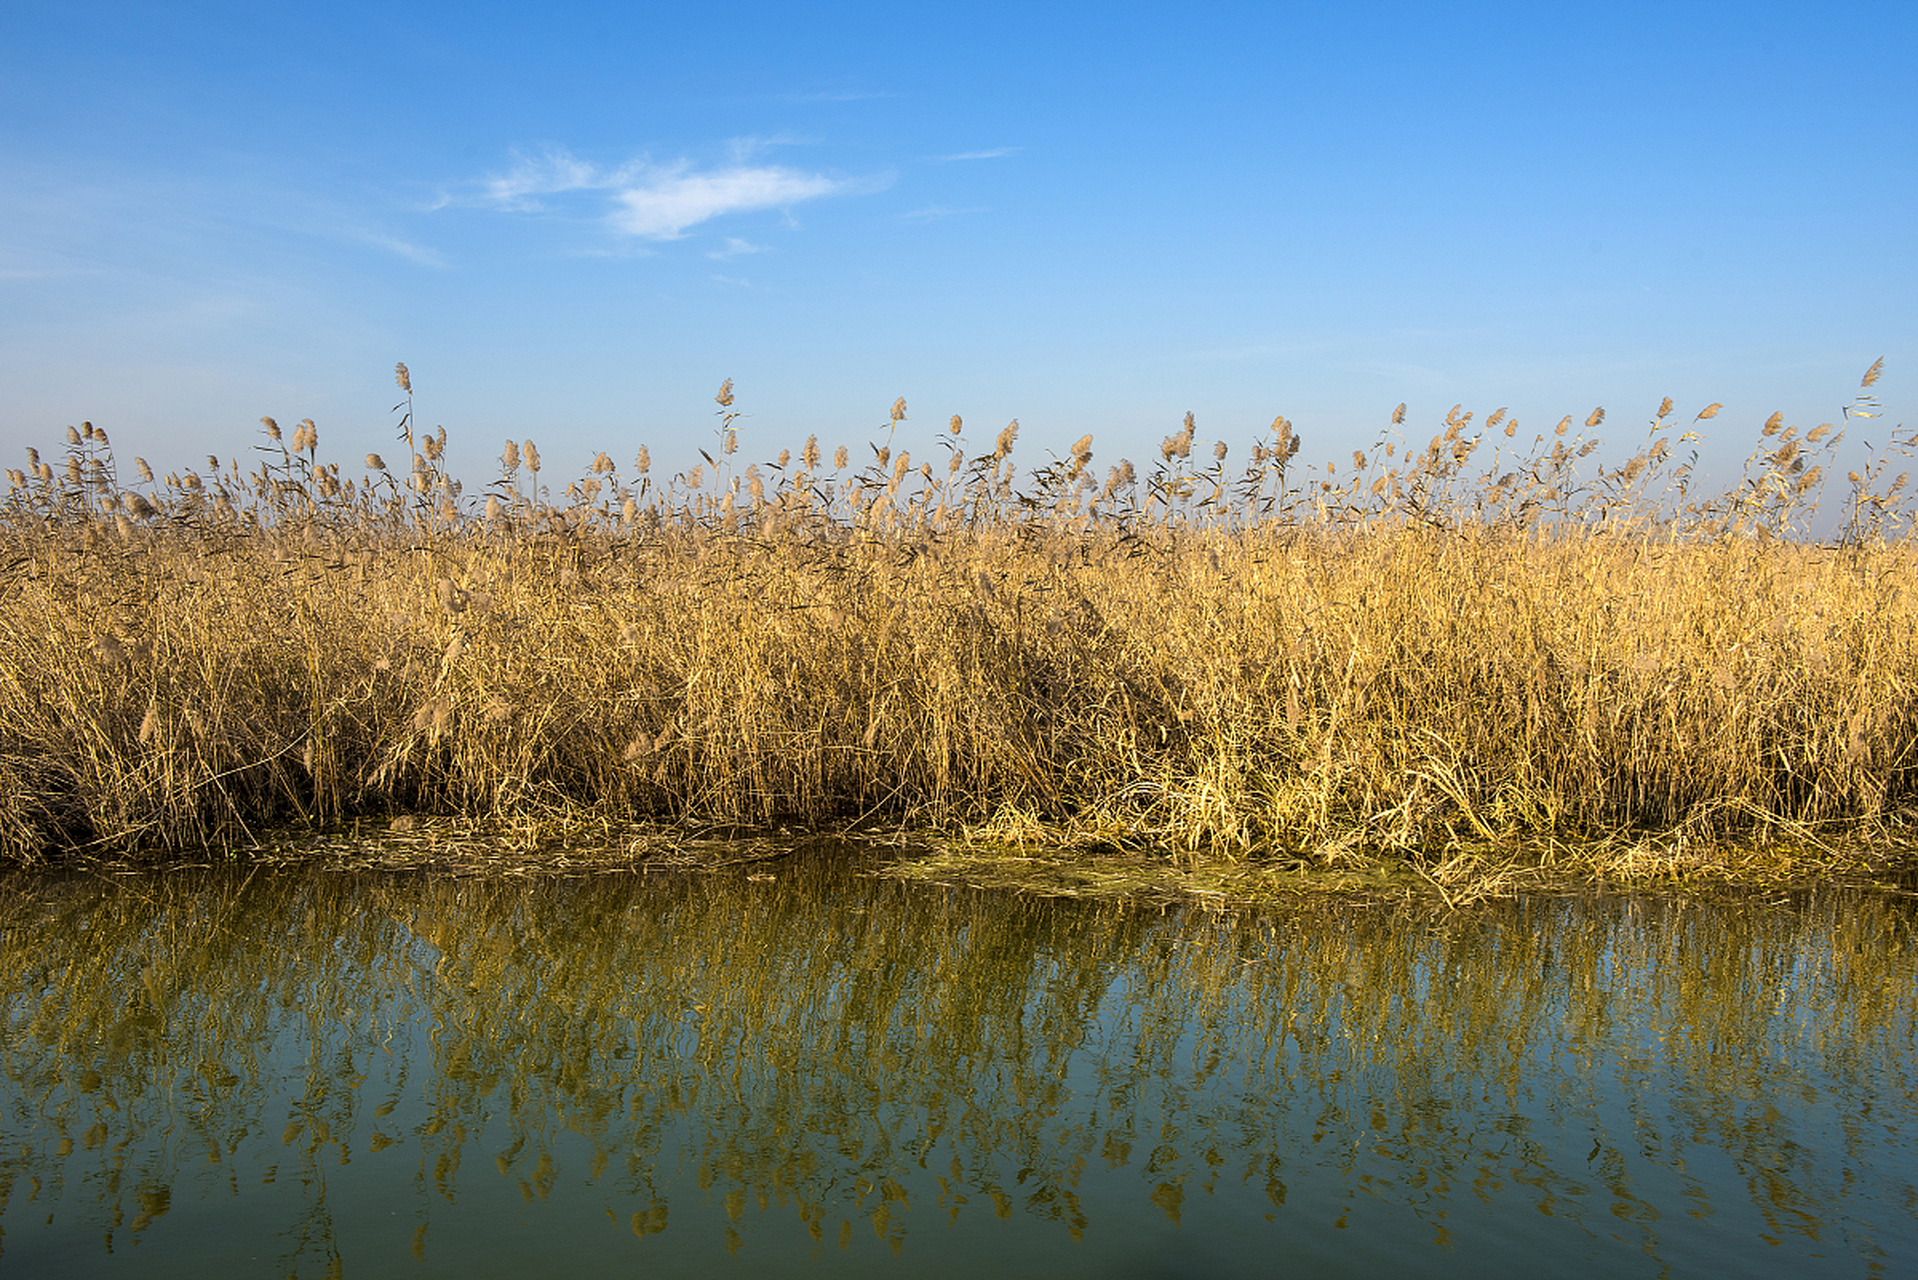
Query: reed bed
(1498,642)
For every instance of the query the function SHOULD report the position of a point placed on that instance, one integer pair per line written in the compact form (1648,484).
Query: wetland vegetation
(1503,657)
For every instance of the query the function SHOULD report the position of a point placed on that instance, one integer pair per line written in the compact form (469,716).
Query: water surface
(810,1071)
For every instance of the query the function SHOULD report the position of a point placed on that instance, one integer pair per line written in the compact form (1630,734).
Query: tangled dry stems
(1424,652)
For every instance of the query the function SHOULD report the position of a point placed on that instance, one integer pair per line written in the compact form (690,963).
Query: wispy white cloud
(735,248)
(393,244)
(552,173)
(745,148)
(991,153)
(734,280)
(662,202)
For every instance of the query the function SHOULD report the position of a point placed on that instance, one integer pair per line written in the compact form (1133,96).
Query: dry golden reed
(1474,642)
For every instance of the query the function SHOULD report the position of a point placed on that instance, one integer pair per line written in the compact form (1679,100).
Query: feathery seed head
(402,378)
(1709,411)
(532,456)
(1773,423)
(1218,451)
(1398,415)
(272,428)
(1598,416)
(1871,374)
(955,426)
(1664,407)
(1563,424)
(1007,439)
(73,437)
(375,463)
(809,456)
(643,461)
(899,409)
(725,397)
(602,464)
(146,472)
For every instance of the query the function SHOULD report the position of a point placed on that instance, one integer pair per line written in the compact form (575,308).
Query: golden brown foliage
(1428,649)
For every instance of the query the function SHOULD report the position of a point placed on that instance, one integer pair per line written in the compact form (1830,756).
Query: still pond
(807,1070)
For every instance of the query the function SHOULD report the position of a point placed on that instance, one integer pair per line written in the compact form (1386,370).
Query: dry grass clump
(1479,642)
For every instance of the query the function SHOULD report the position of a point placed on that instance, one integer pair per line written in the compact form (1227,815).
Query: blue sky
(1091,218)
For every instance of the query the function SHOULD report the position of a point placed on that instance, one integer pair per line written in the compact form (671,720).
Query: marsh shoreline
(1480,663)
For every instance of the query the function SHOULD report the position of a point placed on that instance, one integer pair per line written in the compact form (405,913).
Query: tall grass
(1497,638)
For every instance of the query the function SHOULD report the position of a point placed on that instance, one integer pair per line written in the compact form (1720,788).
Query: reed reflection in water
(322,1074)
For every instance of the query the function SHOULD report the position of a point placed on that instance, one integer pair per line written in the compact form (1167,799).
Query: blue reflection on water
(826,1072)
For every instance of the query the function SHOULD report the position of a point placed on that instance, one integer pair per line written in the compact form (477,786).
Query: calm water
(816,1072)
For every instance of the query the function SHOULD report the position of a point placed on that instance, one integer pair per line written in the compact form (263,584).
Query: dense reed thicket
(1484,640)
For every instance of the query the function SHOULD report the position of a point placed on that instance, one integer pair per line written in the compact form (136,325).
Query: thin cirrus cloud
(662,202)
(990,153)
(735,248)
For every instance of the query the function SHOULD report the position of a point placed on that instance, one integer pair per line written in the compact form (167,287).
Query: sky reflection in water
(313,1073)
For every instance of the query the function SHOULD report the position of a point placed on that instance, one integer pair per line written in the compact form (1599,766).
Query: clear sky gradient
(573,225)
